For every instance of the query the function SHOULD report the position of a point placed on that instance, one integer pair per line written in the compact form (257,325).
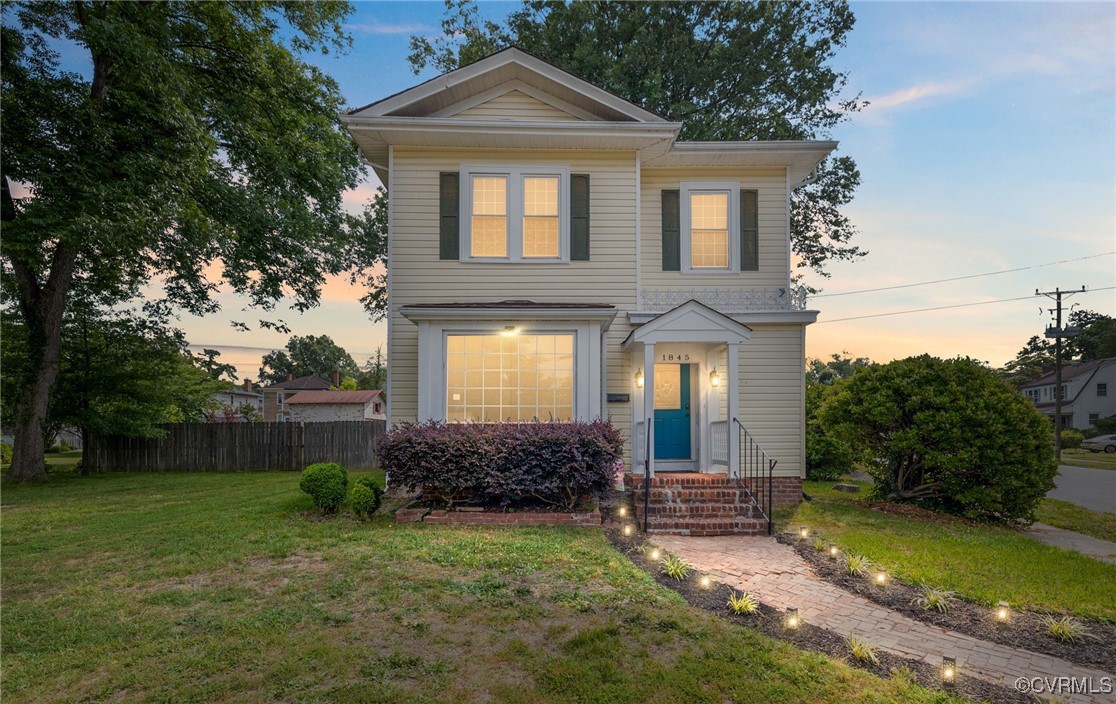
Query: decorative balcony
(725,300)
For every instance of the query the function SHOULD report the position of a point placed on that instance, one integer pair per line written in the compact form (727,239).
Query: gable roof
(347,397)
(1070,371)
(303,382)
(509,64)
(692,321)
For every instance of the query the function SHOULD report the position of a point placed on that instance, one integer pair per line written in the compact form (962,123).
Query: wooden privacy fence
(237,447)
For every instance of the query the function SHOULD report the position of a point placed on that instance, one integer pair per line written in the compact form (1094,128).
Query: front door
(672,411)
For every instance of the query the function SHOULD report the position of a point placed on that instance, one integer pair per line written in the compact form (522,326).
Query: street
(1091,488)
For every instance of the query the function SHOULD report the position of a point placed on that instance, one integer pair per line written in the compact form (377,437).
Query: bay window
(515,213)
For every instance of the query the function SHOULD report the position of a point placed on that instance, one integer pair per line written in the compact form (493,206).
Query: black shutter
(448,225)
(672,241)
(579,216)
(749,230)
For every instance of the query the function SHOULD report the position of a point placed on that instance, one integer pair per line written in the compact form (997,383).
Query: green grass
(1085,458)
(226,587)
(981,563)
(1062,514)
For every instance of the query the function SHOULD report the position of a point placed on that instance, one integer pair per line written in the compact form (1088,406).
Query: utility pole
(1057,332)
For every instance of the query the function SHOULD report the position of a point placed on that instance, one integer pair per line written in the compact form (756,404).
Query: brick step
(746,510)
(707,527)
(687,480)
(700,496)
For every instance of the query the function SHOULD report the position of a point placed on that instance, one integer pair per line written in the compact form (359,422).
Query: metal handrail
(755,463)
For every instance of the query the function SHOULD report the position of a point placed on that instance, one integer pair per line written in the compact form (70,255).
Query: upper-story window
(515,214)
(710,214)
(1102,389)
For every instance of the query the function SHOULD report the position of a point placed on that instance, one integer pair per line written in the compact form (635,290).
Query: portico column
(649,406)
(732,361)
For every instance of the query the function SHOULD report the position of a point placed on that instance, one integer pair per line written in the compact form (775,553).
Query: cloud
(917,93)
(375,27)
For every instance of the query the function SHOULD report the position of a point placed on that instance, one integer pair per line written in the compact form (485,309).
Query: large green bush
(327,483)
(949,434)
(827,457)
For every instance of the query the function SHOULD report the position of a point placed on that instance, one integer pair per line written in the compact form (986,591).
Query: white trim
(638,227)
(504,58)
(686,190)
(515,174)
(804,317)
(732,361)
(516,85)
(424,314)
(714,327)
(390,299)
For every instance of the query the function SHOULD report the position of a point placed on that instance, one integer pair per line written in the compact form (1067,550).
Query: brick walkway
(780,578)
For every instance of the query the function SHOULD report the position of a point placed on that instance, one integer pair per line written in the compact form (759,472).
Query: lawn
(1062,514)
(1084,458)
(226,587)
(981,563)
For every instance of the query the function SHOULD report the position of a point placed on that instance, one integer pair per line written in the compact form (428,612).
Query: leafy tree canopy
(210,361)
(1096,339)
(840,366)
(199,147)
(947,433)
(727,70)
(312,354)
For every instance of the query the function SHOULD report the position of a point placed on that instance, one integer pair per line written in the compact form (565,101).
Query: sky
(989,144)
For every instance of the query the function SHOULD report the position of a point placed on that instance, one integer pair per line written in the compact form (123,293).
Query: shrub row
(327,484)
(504,464)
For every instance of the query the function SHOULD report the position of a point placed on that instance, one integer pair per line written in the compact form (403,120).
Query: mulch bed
(1024,629)
(769,621)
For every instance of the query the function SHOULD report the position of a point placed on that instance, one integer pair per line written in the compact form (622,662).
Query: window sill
(530,262)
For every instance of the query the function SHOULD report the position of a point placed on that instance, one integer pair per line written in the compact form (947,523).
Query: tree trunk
(43,309)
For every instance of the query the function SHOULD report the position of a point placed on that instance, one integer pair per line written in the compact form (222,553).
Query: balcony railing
(719,439)
(725,300)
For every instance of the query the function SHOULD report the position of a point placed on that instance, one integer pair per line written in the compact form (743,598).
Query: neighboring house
(556,253)
(236,396)
(318,406)
(275,396)
(1088,392)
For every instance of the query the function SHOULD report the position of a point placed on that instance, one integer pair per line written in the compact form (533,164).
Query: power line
(961,278)
(958,305)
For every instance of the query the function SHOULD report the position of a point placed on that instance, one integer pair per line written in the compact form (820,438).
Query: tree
(727,71)
(1096,339)
(318,355)
(840,366)
(1097,336)
(209,360)
(118,374)
(828,456)
(947,433)
(197,135)
(373,375)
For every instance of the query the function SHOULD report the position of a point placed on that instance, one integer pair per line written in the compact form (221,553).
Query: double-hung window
(517,214)
(710,215)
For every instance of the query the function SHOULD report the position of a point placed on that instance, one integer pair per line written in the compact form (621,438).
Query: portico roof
(690,322)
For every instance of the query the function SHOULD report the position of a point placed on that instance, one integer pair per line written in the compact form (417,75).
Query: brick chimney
(336,379)
(247,385)
(290,377)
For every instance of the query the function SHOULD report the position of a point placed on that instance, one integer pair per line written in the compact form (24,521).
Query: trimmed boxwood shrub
(1071,438)
(504,464)
(327,483)
(364,500)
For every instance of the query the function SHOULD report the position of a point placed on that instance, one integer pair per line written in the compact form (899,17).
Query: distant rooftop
(302,382)
(1070,371)
(333,397)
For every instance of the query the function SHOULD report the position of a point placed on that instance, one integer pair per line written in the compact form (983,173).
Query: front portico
(687,383)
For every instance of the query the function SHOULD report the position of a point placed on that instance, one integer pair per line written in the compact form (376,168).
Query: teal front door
(672,411)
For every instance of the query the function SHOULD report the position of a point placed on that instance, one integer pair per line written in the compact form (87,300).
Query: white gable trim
(497,60)
(520,86)
(690,322)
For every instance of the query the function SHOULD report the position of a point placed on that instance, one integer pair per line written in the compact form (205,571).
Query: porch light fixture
(714,378)
(833,552)
(792,621)
(628,531)
(705,581)
(1003,611)
(949,671)
(656,553)
(881,578)
(509,331)
(639,378)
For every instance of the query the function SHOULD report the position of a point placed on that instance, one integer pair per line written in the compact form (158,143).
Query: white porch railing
(725,300)
(719,441)
(639,442)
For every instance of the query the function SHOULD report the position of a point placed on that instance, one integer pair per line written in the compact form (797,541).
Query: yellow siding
(419,276)
(514,105)
(773,255)
(772,400)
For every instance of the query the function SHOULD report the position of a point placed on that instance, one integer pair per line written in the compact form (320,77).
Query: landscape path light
(881,577)
(792,620)
(1003,611)
(949,671)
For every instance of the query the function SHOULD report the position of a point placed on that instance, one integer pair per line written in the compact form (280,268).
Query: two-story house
(1088,392)
(555,252)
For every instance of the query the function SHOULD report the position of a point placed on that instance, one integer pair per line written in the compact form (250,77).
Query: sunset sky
(988,145)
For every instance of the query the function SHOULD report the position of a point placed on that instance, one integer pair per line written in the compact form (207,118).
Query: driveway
(1091,488)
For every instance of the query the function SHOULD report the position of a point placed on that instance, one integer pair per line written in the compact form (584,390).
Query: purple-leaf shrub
(504,464)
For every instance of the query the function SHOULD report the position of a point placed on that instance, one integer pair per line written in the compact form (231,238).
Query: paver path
(780,578)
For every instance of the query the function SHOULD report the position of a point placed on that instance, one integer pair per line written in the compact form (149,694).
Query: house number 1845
(676,358)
